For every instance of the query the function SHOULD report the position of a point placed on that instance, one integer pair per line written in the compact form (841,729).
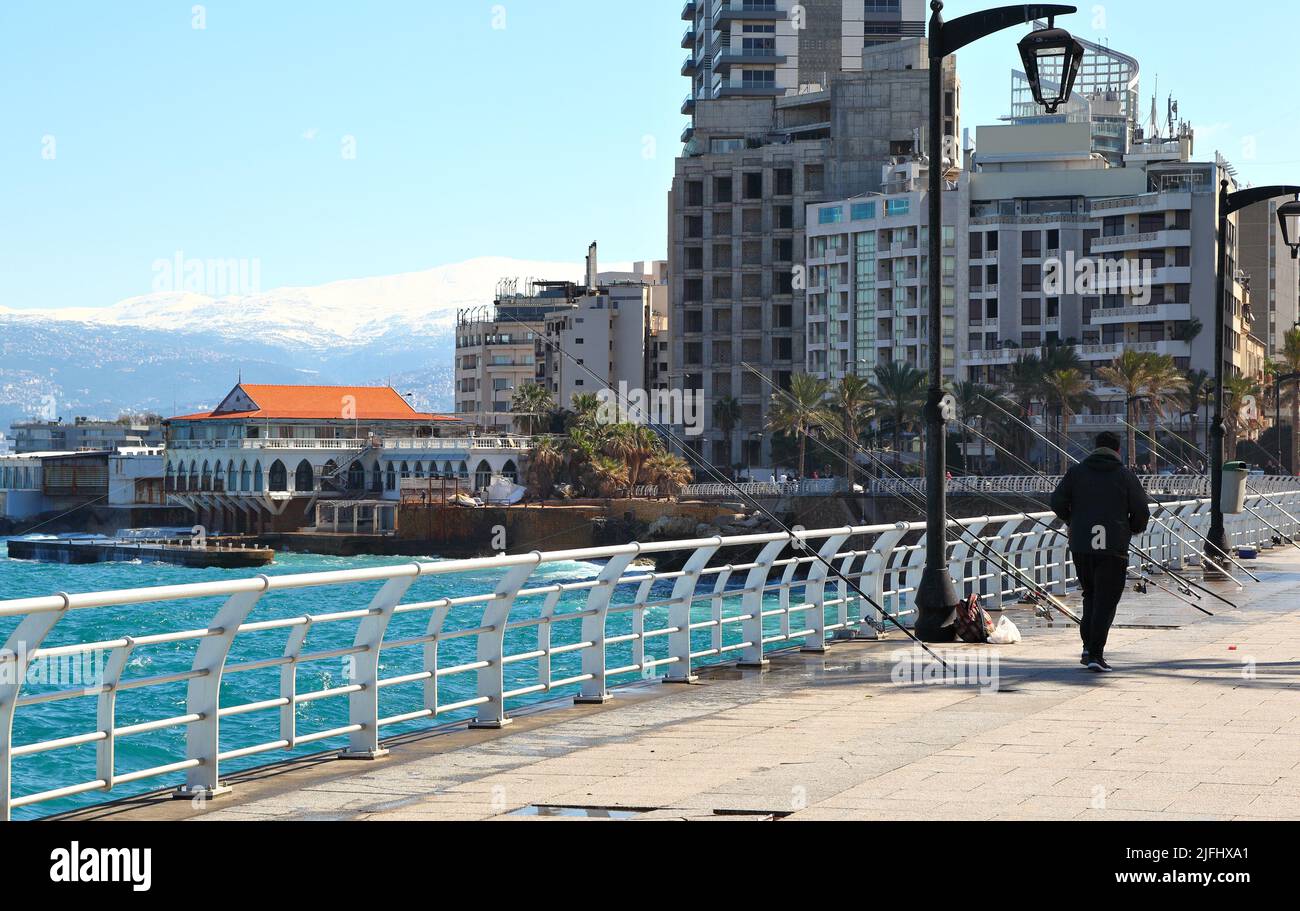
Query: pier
(81,550)
(758,686)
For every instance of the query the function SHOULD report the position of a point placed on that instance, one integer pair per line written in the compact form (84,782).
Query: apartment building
(85,434)
(758,154)
(1274,276)
(868,276)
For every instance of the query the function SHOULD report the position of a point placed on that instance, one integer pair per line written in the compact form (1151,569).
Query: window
(754,185)
(758,79)
(898,207)
(1031,312)
(1031,244)
(784,182)
(977,245)
(830,215)
(862,211)
(1031,278)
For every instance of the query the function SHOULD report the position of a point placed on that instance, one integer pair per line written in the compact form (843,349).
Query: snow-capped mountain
(350,313)
(174,353)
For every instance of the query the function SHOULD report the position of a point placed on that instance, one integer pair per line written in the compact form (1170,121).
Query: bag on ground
(973,623)
(1007,633)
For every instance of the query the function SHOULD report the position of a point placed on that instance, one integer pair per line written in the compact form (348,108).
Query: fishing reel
(1140,587)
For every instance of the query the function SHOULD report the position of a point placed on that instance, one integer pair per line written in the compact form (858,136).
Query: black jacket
(1104,504)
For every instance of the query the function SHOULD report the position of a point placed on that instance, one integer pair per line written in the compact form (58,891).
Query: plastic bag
(1005,633)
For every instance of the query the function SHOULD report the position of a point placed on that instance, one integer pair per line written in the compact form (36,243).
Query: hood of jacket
(1104,460)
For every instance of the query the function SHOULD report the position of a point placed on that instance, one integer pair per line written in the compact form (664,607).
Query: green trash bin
(1234,488)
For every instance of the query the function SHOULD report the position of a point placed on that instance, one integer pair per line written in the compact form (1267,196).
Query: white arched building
(261,459)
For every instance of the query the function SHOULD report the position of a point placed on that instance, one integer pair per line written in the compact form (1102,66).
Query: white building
(261,459)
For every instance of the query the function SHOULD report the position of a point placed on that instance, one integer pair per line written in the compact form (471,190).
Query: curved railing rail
(1161,485)
(520,629)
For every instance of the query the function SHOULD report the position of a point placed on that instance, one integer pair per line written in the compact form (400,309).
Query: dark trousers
(1103,578)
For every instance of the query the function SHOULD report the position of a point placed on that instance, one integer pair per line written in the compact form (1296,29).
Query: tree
(1024,388)
(900,392)
(669,473)
(545,462)
(800,411)
(604,476)
(1164,386)
(972,404)
(1291,360)
(1129,372)
(726,415)
(1069,390)
(1238,393)
(853,402)
(532,406)
(1194,397)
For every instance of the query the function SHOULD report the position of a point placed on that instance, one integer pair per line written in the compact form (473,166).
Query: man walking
(1105,505)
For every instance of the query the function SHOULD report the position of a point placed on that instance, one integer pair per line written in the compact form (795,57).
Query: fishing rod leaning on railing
(1150,559)
(973,539)
(1282,538)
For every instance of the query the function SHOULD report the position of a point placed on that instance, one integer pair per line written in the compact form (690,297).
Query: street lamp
(1289,217)
(936,595)
(1216,542)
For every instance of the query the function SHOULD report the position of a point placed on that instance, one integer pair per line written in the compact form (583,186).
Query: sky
(333,139)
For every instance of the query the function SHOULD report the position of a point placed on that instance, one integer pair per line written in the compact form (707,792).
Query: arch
(406,471)
(245,477)
(419,471)
(169,477)
(391,482)
(511,471)
(277,477)
(304,478)
(464,471)
(219,478)
(448,471)
(356,476)
(377,478)
(258,483)
(483,475)
(232,476)
(206,478)
(194,475)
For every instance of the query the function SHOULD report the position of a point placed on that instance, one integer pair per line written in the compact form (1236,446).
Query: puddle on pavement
(579,812)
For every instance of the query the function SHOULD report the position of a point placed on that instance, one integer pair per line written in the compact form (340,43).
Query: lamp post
(1278,382)
(1045,52)
(1216,542)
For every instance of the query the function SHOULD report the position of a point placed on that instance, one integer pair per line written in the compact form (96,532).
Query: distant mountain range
(178,353)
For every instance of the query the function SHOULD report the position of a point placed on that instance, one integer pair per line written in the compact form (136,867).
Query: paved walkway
(1202,721)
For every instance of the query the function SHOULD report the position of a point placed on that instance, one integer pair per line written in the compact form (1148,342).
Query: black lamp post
(1043,52)
(1279,381)
(1216,542)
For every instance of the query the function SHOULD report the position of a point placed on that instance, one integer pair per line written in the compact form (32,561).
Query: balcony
(1152,240)
(688,106)
(764,12)
(733,57)
(1165,275)
(1158,313)
(689,10)
(688,39)
(689,65)
(1135,205)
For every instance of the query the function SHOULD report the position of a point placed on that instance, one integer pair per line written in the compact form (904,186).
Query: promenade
(1201,721)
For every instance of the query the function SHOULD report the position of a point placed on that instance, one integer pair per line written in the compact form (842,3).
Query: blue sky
(128,134)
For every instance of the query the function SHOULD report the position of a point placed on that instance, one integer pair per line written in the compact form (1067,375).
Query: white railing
(444,640)
(463,444)
(272,443)
(1161,485)
(518,444)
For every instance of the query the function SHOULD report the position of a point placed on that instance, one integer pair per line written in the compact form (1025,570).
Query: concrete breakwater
(110,551)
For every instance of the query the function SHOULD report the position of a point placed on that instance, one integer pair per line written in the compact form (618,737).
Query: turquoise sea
(45,771)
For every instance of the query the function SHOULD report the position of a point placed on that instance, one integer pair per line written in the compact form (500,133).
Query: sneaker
(1096,668)
(1084,659)
(1104,666)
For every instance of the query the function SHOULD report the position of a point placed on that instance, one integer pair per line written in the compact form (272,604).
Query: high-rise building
(792,105)
(1274,277)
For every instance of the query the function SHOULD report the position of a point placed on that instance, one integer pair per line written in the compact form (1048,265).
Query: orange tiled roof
(364,403)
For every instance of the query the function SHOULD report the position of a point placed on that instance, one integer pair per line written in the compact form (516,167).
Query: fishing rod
(1195,532)
(1163,525)
(1267,499)
(973,539)
(797,542)
(1185,582)
(1183,585)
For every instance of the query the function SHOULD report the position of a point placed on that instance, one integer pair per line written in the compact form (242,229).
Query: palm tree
(544,464)
(800,411)
(1291,359)
(726,414)
(1165,385)
(586,409)
(1129,373)
(531,405)
(853,402)
(1238,391)
(1024,387)
(1069,390)
(669,473)
(647,445)
(900,392)
(604,476)
(1198,384)
(972,403)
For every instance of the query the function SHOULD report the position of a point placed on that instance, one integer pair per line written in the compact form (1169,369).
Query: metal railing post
(679,614)
(752,602)
(491,647)
(289,682)
(874,573)
(363,704)
(203,698)
(815,593)
(106,714)
(14,662)
(594,691)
